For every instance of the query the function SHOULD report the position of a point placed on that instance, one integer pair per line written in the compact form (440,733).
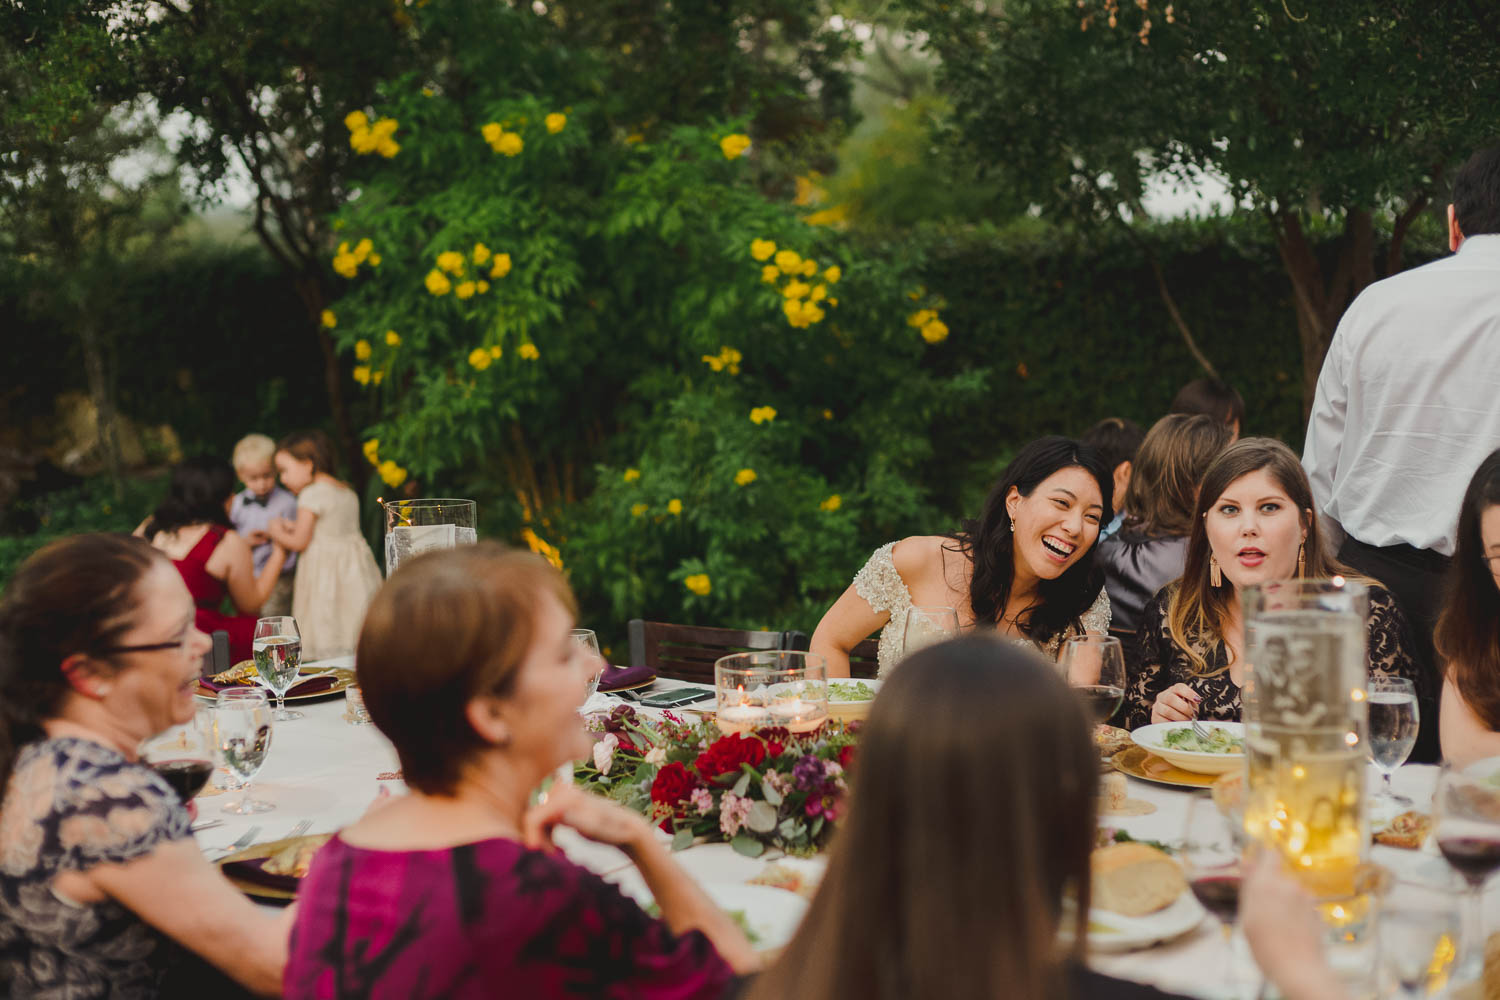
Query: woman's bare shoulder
(920,557)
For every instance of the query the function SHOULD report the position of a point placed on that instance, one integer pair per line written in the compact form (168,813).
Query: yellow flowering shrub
(770,273)
(371,449)
(361,374)
(761,250)
(464,289)
(674,506)
(744,477)
(528,352)
(698,583)
(555,122)
(481,253)
(392,338)
(790,261)
(437,282)
(362,349)
(631,475)
(734,146)
(480,358)
(451,261)
(935,331)
(391,474)
(832,503)
(329,319)
(638,509)
(762,414)
(501,266)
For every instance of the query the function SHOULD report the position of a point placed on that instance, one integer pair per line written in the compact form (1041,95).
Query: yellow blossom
(827,414)
(762,249)
(770,273)
(480,358)
(392,474)
(542,548)
(362,250)
(464,290)
(481,253)
(528,352)
(833,274)
(501,267)
(812,313)
(377,375)
(372,451)
(833,302)
(734,146)
(356,120)
(674,507)
(789,261)
(935,332)
(509,143)
(796,289)
(809,268)
(363,140)
(384,128)
(491,132)
(496,351)
(362,349)
(427,91)
(714,362)
(699,584)
(388,149)
(818,294)
(832,503)
(631,475)
(638,510)
(361,374)
(744,477)
(793,310)
(451,261)
(374,260)
(762,414)
(921,318)
(438,283)
(392,338)
(555,122)
(346,264)
(329,319)
(634,139)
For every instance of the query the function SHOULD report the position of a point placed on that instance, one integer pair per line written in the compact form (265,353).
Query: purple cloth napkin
(254,871)
(310,686)
(618,678)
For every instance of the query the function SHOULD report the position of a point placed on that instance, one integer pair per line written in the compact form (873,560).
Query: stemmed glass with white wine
(277,646)
(928,625)
(242,738)
(1094,666)
(1393,730)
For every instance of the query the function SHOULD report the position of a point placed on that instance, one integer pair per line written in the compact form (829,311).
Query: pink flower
(702,800)
(777,782)
(656,755)
(733,811)
(604,752)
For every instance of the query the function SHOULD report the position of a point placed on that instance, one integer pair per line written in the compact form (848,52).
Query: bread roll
(1135,879)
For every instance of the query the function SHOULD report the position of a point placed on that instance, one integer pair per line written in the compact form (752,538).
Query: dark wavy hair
(199,487)
(1476,193)
(973,867)
(988,543)
(1468,630)
(76,595)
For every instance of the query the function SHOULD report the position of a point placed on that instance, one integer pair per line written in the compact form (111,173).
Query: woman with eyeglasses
(101,884)
(1468,633)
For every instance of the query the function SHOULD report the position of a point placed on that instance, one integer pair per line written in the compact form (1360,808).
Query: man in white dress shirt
(1408,404)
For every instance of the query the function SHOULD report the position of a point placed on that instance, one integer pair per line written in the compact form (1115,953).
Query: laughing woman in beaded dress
(1025,566)
(1253,523)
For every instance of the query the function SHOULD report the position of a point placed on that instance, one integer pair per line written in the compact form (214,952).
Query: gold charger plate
(1138,762)
(342,677)
(255,852)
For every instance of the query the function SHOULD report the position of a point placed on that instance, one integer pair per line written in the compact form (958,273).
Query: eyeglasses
(150,647)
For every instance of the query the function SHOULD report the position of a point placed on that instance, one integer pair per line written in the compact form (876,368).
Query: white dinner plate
(1150,738)
(849,710)
(1117,932)
(773,914)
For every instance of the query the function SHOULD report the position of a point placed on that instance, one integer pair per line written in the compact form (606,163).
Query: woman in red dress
(192,527)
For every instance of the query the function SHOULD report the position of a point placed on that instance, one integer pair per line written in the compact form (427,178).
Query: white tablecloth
(327,770)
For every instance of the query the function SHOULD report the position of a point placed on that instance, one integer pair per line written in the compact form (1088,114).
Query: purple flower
(809,773)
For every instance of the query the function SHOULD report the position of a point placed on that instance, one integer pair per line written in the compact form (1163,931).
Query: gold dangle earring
(1301,562)
(1215,577)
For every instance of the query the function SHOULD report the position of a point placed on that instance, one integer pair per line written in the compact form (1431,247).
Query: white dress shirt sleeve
(1325,428)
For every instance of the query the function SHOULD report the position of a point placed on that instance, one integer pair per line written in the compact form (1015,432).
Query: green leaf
(682,839)
(748,846)
(762,818)
(771,794)
(742,785)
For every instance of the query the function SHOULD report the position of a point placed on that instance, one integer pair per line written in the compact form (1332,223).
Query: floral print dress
(73,804)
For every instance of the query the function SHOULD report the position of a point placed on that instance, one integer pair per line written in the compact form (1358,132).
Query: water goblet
(242,738)
(1419,938)
(1094,666)
(586,638)
(277,645)
(1393,731)
(928,625)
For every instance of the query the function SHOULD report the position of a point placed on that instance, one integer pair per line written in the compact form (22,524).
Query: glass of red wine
(1094,665)
(183,756)
(1211,849)
(1466,823)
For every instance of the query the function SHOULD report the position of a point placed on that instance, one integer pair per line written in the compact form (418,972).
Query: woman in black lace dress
(1254,523)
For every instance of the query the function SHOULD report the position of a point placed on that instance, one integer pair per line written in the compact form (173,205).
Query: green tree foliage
(1345,115)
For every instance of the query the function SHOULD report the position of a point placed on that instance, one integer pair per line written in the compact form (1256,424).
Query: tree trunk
(311,293)
(103,398)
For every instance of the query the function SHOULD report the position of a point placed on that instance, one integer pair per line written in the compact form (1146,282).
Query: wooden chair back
(688,652)
(864,659)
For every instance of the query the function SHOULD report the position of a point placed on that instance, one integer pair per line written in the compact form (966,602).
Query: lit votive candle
(741,718)
(798,716)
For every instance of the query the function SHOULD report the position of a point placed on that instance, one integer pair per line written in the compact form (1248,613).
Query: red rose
(846,757)
(673,784)
(776,738)
(725,755)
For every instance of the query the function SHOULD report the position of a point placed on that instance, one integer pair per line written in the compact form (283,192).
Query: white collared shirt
(1408,402)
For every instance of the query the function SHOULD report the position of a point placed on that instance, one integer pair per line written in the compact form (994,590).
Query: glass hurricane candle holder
(416,526)
(772,688)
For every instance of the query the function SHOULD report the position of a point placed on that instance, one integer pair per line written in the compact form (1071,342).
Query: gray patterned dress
(73,804)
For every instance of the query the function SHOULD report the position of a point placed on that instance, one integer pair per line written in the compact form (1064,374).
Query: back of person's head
(253,451)
(1168,468)
(990,543)
(970,819)
(1213,397)
(1468,631)
(448,627)
(199,488)
(1476,193)
(1116,439)
(310,446)
(76,595)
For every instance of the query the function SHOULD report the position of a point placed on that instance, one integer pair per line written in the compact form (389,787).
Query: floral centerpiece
(767,788)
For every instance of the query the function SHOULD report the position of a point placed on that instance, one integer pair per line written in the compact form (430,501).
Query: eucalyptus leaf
(748,846)
(762,817)
(741,786)
(682,839)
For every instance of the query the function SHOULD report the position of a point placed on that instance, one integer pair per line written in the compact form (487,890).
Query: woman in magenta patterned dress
(456,890)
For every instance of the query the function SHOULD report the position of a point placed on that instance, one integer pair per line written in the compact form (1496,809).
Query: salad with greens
(850,691)
(1220,740)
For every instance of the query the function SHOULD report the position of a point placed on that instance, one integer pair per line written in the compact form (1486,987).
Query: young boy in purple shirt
(261,501)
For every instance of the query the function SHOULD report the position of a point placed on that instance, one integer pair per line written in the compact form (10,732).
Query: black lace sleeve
(1391,644)
(1146,674)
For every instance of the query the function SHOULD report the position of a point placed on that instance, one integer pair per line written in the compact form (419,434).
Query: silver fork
(302,827)
(1200,731)
(245,841)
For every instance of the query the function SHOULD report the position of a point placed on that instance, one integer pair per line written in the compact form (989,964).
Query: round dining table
(324,770)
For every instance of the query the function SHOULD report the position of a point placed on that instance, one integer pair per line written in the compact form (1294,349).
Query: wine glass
(586,638)
(278,656)
(242,737)
(1393,731)
(1466,823)
(1094,666)
(1211,849)
(183,756)
(1419,937)
(925,626)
